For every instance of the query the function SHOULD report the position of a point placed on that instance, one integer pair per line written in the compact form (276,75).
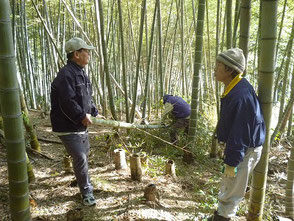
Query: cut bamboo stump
(170,168)
(120,159)
(136,168)
(150,193)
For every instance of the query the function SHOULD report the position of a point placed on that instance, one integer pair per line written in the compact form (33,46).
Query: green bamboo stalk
(106,68)
(229,23)
(120,124)
(245,15)
(284,117)
(236,22)
(28,126)
(123,60)
(143,11)
(289,132)
(289,201)
(48,32)
(286,72)
(268,34)
(281,26)
(160,53)
(149,65)
(197,68)
(13,126)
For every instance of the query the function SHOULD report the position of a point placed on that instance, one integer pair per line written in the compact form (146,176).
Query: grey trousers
(232,190)
(178,124)
(77,146)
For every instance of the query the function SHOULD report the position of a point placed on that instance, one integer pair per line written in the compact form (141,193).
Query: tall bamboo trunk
(197,69)
(123,60)
(286,72)
(229,23)
(147,86)
(105,59)
(160,54)
(245,15)
(12,118)
(289,201)
(268,34)
(143,11)
(236,22)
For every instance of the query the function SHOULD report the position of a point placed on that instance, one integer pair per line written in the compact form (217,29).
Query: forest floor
(191,196)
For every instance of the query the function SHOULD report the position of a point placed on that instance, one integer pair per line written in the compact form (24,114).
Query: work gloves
(229,171)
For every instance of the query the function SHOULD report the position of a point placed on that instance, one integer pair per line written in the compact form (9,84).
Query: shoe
(216,217)
(89,199)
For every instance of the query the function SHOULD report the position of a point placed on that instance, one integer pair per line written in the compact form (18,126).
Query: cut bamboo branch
(136,169)
(120,124)
(120,159)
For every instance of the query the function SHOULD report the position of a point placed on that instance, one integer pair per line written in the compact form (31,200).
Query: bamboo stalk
(12,118)
(120,124)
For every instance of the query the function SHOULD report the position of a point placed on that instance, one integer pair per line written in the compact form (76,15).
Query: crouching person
(178,110)
(71,108)
(241,127)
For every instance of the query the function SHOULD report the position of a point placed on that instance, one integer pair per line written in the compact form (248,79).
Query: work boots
(216,217)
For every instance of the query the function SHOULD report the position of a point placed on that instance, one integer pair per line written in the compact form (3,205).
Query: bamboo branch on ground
(49,141)
(169,143)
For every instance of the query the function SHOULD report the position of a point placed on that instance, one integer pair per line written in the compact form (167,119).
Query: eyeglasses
(85,50)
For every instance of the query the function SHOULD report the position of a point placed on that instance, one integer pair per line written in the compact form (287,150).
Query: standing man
(71,109)
(241,127)
(178,110)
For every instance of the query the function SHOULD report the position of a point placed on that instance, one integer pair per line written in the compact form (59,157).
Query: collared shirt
(232,84)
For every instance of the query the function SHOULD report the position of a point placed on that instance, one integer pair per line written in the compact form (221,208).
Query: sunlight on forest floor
(192,196)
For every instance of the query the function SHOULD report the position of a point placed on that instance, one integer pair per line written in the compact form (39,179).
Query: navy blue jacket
(181,108)
(71,99)
(241,124)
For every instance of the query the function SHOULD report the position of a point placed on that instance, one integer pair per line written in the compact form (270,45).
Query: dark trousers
(178,124)
(77,146)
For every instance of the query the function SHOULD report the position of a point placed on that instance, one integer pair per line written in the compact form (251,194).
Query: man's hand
(87,120)
(229,171)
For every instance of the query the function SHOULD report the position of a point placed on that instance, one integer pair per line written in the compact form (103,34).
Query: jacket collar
(232,84)
(75,65)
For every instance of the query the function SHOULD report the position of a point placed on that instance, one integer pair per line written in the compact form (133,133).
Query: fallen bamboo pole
(120,124)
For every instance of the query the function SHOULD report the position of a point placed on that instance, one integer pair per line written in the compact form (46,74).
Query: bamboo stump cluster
(136,162)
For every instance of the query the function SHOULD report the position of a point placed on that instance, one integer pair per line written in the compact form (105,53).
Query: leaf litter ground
(192,196)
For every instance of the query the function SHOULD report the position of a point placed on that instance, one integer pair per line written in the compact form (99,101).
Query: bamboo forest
(146,110)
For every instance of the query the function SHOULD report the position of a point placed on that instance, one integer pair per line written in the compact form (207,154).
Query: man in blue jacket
(178,110)
(71,109)
(241,127)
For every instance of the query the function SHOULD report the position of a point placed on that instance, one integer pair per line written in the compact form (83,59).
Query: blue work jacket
(241,124)
(181,109)
(71,99)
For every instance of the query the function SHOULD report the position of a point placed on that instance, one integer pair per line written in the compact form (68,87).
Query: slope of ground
(192,196)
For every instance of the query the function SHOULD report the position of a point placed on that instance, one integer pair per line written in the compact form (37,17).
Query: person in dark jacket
(241,128)
(71,109)
(178,110)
